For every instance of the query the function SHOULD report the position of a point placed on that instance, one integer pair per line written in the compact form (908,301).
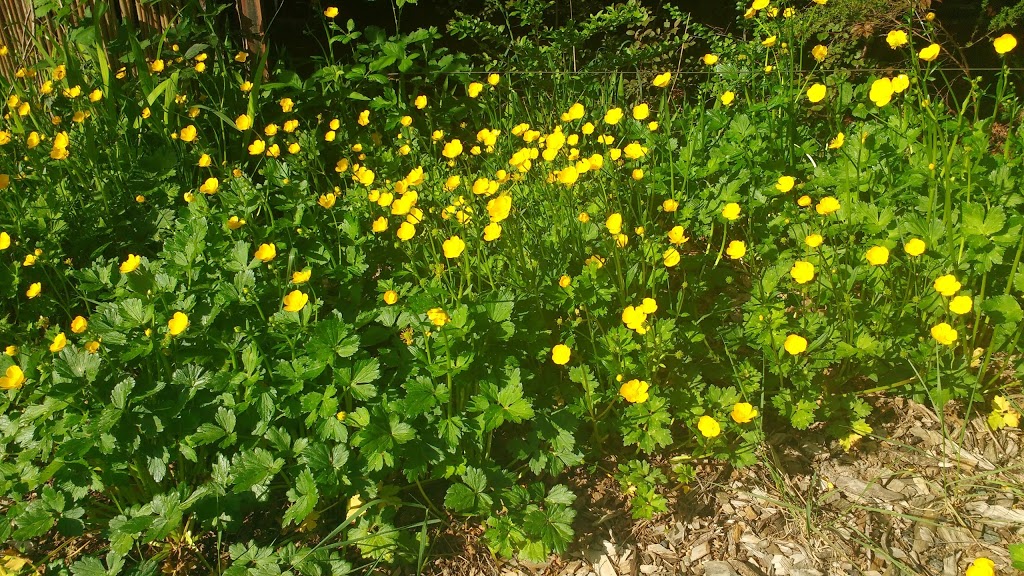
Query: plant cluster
(283,323)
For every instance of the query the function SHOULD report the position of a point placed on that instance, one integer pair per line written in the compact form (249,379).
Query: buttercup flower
(59,342)
(944,334)
(877,255)
(785,183)
(331,12)
(981,567)
(130,264)
(33,290)
(662,80)
(295,301)
(827,205)
(900,83)
(736,249)
(266,252)
(837,142)
(327,200)
(210,186)
(795,344)
(177,324)
(438,317)
(802,272)
(743,413)
(731,211)
(613,116)
(301,276)
(452,149)
(5,240)
(1004,43)
(188,133)
(914,247)
(79,325)
(635,391)
(813,240)
(961,305)
(671,257)
(420,102)
(634,317)
(929,53)
(13,378)
(816,93)
(819,52)
(881,92)
(727,97)
(234,222)
(474,89)
(670,205)
(709,59)
(453,247)
(614,224)
(947,285)
(405,231)
(641,111)
(560,354)
(709,427)
(896,38)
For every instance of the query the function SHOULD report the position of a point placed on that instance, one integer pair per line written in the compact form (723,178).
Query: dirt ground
(923,496)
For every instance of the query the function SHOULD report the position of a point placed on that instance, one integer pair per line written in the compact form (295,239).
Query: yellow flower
(944,334)
(929,53)
(187,134)
(327,200)
(914,247)
(881,92)
(708,427)
(770,41)
(670,205)
(234,222)
(295,301)
(568,176)
(209,186)
(981,567)
(59,342)
(493,79)
(731,211)
(492,232)
(79,325)
(614,224)
(177,324)
(92,346)
(877,255)
(287,105)
(785,183)
(301,276)
(257,147)
(13,378)
(1004,43)
(613,116)
(474,89)
(11,350)
(896,38)
(243,122)
(634,318)
(406,231)
(30,260)
(453,247)
(131,263)
(33,290)
(743,413)
(662,80)
(452,149)
(671,257)
(709,59)
(900,83)
(819,52)
(759,4)
(947,285)
(961,305)
(813,240)
(728,97)
(96,95)
(438,317)
(5,240)
(816,93)
(637,174)
(736,249)
(635,391)
(266,252)
(634,150)
(73,92)
(837,142)
(560,354)
(331,11)
(802,272)
(205,161)
(827,205)
(641,111)
(795,344)
(564,281)
(649,306)
(677,235)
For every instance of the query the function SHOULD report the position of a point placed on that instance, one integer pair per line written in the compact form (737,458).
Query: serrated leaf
(252,468)
(304,497)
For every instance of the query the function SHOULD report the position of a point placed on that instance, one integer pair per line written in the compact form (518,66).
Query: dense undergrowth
(281,323)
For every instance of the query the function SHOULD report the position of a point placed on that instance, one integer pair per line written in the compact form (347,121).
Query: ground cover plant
(281,323)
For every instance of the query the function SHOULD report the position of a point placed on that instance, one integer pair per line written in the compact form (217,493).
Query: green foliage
(287,323)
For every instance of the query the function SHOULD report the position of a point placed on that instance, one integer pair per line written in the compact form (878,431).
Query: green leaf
(1016,555)
(253,468)
(1003,309)
(34,521)
(304,497)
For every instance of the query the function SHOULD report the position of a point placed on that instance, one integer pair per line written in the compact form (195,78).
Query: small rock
(716,568)
(604,567)
(699,551)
